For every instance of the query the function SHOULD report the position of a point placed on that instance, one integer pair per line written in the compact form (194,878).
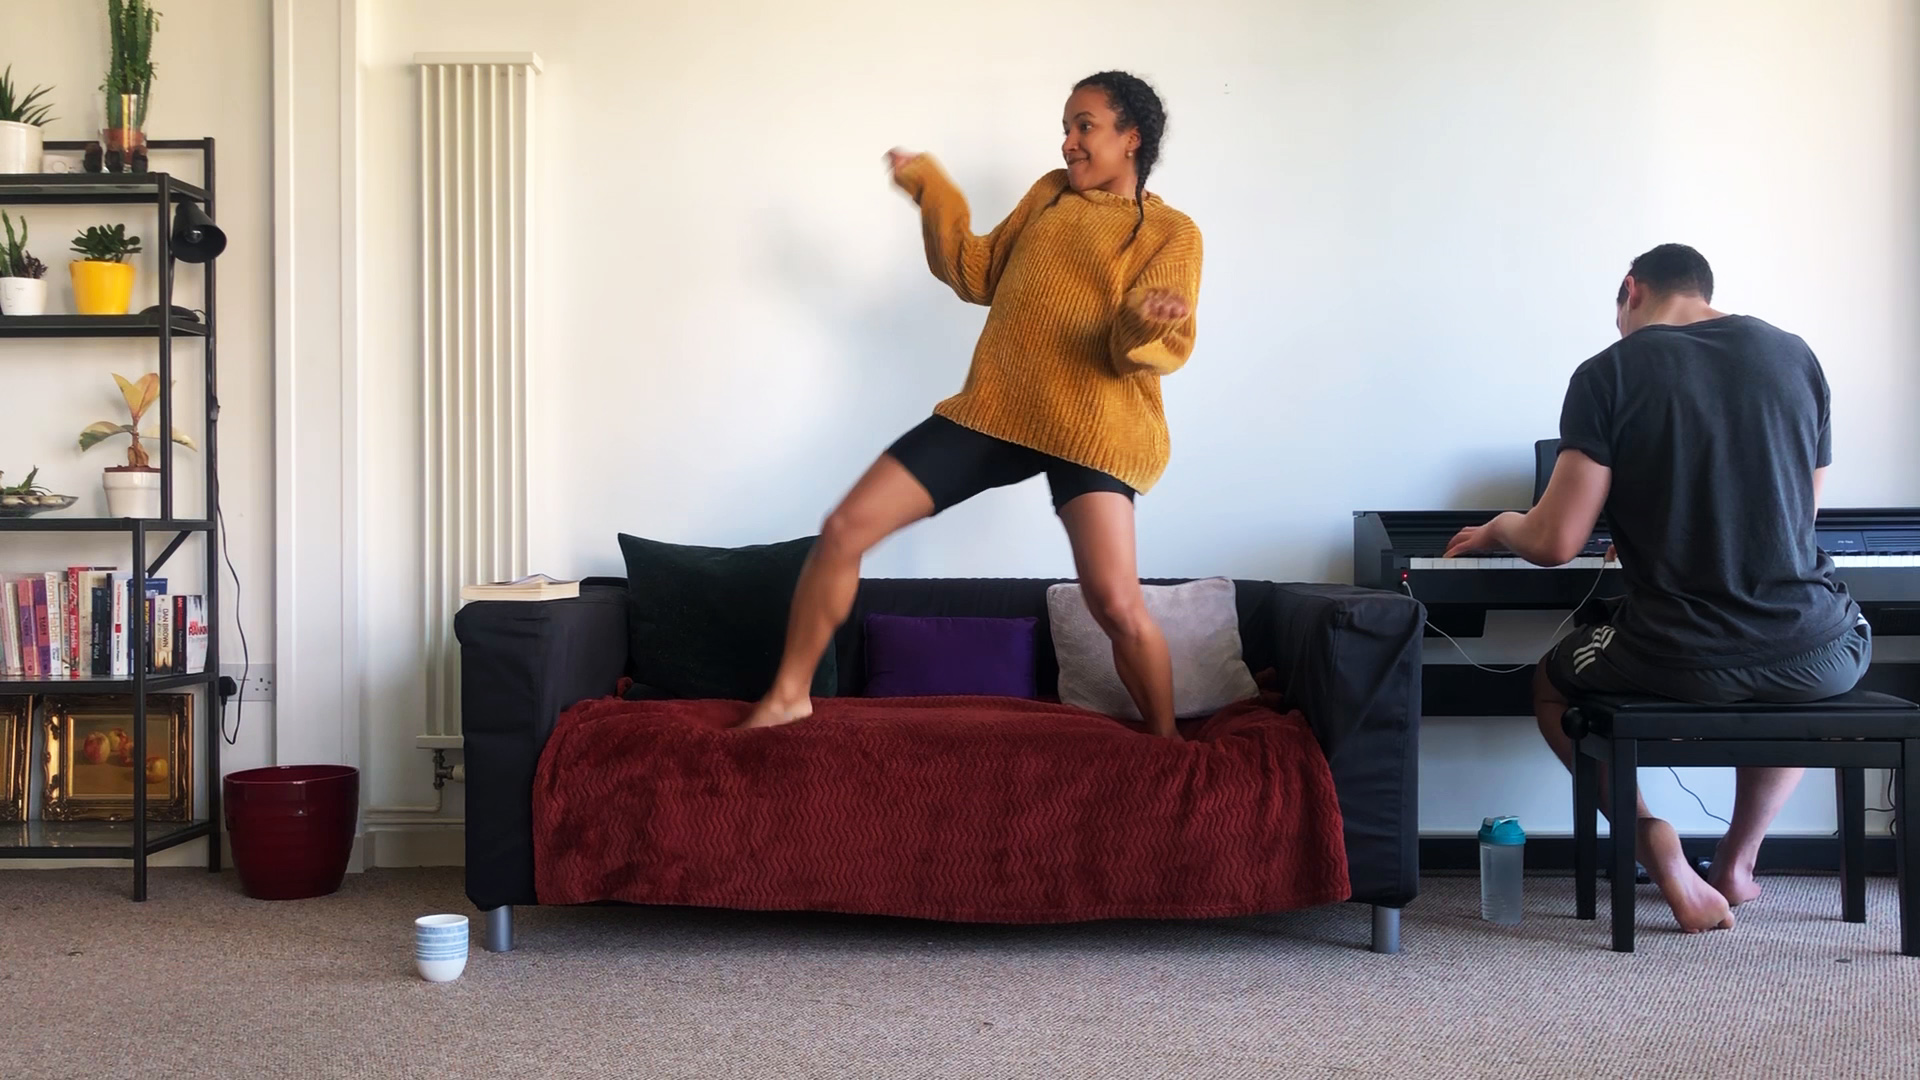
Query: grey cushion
(1202,628)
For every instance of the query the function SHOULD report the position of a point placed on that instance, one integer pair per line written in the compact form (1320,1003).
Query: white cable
(1554,637)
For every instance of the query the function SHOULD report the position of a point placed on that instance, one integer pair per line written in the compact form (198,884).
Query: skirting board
(1554,854)
(416,845)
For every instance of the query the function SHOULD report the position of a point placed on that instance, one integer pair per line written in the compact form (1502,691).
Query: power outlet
(259,681)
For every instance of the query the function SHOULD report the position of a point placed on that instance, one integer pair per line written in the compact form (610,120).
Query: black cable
(1697,798)
(1887,809)
(246,660)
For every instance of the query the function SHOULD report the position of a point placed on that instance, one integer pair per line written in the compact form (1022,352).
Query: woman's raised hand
(898,159)
(1162,306)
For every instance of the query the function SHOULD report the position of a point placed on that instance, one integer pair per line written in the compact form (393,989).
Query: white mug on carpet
(440,946)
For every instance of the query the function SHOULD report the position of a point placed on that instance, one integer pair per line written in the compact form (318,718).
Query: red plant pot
(292,828)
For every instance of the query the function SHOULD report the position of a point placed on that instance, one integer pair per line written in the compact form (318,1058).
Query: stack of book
(78,624)
(532,587)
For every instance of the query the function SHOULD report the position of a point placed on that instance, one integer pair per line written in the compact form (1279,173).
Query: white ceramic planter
(131,492)
(20,147)
(23,296)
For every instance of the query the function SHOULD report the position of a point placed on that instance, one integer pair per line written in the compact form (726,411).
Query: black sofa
(1348,658)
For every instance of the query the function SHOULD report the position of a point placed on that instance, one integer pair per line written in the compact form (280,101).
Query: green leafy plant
(106,243)
(140,397)
(27,487)
(19,496)
(131,25)
(15,260)
(23,107)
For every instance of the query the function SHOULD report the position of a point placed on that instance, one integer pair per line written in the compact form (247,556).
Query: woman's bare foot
(772,712)
(1732,878)
(1696,905)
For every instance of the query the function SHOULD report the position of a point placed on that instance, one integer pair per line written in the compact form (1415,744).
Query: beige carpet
(201,981)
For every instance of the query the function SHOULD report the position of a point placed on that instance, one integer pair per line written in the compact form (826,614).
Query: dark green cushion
(708,622)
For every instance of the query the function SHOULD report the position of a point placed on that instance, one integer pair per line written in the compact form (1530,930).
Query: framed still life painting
(89,758)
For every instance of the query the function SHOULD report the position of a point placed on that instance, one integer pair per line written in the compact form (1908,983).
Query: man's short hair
(1670,269)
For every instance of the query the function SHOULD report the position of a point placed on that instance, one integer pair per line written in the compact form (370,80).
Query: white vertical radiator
(476,157)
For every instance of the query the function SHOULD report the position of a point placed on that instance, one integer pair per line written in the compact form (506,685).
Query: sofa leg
(500,929)
(1386,929)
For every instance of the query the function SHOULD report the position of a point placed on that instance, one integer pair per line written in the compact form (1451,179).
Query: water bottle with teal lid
(1502,862)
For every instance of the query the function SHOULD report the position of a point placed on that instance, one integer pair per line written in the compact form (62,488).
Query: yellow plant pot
(101,288)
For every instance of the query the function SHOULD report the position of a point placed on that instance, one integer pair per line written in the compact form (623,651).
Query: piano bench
(1849,733)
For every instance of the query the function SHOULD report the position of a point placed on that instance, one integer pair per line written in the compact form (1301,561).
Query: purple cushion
(912,656)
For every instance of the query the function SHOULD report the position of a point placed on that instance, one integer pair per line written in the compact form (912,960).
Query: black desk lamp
(195,239)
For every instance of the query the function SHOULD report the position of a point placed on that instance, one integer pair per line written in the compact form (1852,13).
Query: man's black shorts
(1591,661)
(955,463)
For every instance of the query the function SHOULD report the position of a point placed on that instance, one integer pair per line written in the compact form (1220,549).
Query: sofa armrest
(521,665)
(1349,659)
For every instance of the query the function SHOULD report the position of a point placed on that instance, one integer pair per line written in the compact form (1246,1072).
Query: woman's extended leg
(1100,528)
(885,500)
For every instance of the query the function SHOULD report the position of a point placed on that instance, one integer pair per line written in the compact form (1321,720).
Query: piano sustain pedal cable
(1554,637)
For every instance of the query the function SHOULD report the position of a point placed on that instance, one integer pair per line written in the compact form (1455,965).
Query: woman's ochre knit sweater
(1066,365)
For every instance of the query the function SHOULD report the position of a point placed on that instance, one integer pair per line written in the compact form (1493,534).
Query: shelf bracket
(172,546)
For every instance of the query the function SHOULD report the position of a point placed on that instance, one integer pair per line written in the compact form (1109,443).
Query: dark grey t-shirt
(1712,431)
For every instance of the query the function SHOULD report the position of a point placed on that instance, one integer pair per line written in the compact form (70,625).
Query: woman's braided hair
(1135,107)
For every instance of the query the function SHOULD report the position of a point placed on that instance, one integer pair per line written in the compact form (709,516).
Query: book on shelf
(11,666)
(531,587)
(77,624)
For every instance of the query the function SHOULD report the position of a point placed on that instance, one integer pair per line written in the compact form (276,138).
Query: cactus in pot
(23,286)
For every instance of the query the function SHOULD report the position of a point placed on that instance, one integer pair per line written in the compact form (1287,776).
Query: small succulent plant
(106,243)
(28,493)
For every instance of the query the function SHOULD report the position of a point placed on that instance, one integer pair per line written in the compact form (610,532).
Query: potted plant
(133,489)
(102,277)
(22,115)
(28,498)
(128,84)
(23,286)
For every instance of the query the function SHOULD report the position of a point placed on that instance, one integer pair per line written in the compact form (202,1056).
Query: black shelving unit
(139,838)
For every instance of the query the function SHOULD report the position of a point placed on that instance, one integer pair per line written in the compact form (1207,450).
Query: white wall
(211,58)
(1416,215)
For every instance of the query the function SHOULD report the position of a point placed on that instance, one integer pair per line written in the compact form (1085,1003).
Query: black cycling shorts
(955,463)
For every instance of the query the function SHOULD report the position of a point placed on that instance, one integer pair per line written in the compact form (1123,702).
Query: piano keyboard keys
(1876,560)
(1593,562)
(1875,553)
(1474,562)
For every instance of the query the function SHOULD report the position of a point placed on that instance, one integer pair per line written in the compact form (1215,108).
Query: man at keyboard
(1704,437)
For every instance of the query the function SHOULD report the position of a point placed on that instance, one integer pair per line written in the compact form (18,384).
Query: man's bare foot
(1697,905)
(771,712)
(1733,879)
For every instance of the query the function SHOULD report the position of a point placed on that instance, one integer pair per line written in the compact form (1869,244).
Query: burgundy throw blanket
(975,809)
